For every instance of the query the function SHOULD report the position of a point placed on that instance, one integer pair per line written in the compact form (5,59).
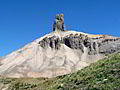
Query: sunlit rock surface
(58,53)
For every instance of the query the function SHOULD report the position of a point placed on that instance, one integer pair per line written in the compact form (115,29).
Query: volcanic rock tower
(57,54)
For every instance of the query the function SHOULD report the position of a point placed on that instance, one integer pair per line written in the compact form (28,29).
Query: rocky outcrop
(58,54)
(99,45)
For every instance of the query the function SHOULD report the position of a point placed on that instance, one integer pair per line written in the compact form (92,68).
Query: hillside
(102,75)
(58,53)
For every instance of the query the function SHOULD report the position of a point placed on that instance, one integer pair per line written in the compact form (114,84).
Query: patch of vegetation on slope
(104,75)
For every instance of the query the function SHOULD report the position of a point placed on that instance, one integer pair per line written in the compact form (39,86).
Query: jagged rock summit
(58,53)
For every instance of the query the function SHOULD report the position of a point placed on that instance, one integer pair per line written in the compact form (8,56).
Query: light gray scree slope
(58,53)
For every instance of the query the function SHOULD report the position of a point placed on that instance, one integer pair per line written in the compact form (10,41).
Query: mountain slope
(102,75)
(58,53)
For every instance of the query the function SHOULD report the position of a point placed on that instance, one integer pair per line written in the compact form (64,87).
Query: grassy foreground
(102,75)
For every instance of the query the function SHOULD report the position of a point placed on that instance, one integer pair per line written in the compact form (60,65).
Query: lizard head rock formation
(58,53)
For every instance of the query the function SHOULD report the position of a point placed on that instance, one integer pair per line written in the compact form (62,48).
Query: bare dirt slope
(58,53)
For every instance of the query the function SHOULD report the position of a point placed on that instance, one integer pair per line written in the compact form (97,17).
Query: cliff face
(58,53)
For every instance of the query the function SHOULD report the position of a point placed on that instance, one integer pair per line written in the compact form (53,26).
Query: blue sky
(22,21)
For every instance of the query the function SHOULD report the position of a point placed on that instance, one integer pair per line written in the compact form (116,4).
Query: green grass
(102,75)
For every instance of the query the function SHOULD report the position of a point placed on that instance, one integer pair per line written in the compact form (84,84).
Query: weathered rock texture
(58,54)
